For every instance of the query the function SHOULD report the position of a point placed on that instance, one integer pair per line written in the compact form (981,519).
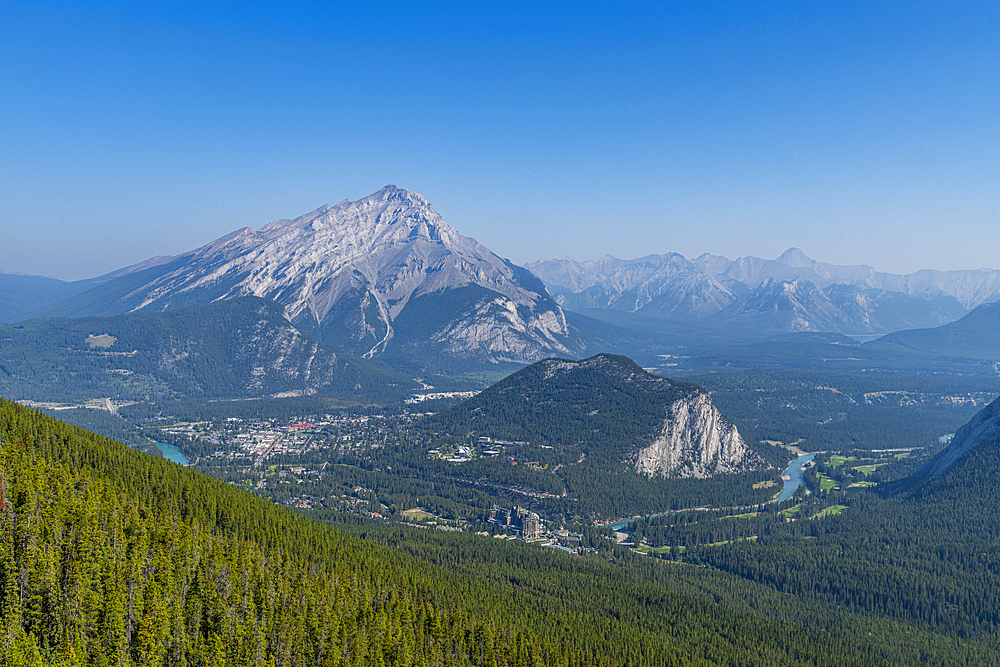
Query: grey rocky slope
(369,275)
(695,440)
(790,293)
(982,427)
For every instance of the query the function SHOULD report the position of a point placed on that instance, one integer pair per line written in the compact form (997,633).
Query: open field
(836,460)
(790,512)
(829,511)
(658,550)
(826,483)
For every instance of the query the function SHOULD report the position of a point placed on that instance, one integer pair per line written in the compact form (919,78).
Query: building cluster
(485,447)
(243,447)
(519,521)
(258,440)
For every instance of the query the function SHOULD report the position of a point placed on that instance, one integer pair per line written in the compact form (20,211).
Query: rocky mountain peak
(348,272)
(795,258)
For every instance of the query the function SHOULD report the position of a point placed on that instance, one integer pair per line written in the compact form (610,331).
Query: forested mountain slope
(929,554)
(241,348)
(608,408)
(612,440)
(110,557)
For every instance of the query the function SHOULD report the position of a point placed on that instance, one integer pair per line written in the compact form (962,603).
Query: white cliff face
(696,441)
(356,266)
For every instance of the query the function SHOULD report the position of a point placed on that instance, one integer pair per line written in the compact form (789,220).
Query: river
(172,453)
(793,477)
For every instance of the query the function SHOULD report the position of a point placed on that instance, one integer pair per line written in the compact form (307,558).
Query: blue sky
(859,132)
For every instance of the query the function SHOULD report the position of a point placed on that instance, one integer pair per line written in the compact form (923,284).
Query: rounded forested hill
(603,405)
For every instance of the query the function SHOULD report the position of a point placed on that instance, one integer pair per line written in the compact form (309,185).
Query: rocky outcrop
(984,426)
(696,441)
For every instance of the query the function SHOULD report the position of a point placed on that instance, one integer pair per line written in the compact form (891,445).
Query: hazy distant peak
(795,258)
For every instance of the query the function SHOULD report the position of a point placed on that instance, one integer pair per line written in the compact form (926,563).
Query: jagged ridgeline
(240,348)
(622,440)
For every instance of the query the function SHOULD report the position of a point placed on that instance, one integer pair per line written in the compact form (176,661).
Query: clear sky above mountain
(859,132)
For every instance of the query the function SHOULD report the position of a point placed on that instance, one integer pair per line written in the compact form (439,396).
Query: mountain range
(790,293)
(386,278)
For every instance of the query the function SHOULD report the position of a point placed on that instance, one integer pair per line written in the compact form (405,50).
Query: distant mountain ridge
(351,274)
(19,292)
(790,293)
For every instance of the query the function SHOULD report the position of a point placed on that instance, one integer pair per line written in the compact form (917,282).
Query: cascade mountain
(382,274)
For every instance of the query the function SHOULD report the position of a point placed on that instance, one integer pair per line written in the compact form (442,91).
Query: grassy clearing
(748,515)
(752,538)
(868,469)
(417,514)
(862,485)
(826,483)
(829,511)
(765,484)
(658,550)
(836,460)
(790,512)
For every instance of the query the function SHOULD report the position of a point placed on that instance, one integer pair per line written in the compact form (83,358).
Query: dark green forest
(112,557)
